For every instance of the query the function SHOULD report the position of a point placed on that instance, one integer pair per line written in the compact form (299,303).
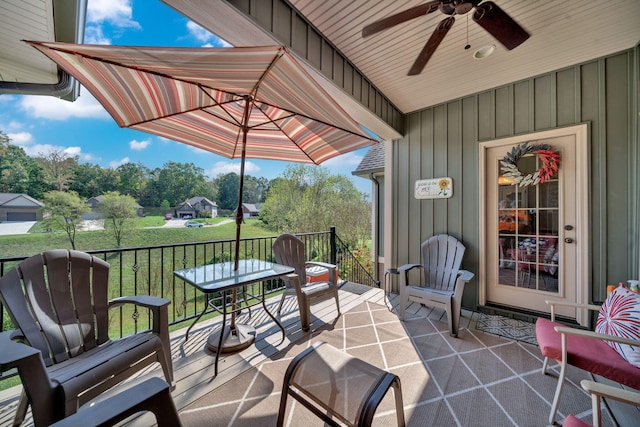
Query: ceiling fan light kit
(487,14)
(484,51)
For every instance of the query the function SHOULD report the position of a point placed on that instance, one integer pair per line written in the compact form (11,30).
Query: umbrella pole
(236,337)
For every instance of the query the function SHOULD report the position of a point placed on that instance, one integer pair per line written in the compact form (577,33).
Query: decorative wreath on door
(549,158)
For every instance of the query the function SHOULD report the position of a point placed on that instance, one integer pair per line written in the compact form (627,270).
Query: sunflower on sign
(549,159)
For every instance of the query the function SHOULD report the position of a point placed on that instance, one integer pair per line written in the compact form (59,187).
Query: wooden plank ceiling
(563,33)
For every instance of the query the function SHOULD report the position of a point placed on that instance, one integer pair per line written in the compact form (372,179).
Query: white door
(535,235)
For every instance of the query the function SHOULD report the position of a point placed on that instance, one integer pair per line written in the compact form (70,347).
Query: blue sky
(40,124)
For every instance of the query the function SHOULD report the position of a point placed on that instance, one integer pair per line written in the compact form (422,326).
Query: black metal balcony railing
(149,271)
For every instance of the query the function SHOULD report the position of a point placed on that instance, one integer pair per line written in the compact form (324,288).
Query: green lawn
(148,231)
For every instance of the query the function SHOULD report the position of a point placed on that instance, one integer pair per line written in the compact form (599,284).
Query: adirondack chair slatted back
(441,259)
(58,300)
(289,250)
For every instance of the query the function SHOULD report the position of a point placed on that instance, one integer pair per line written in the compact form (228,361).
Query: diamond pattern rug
(513,329)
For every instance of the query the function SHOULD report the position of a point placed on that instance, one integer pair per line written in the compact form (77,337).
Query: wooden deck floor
(193,362)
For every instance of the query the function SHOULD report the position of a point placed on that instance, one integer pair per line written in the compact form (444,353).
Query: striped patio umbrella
(255,102)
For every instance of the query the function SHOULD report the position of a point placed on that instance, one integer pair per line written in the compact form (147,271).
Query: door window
(528,221)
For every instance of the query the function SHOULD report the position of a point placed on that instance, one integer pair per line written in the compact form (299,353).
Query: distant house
(19,207)
(94,204)
(197,207)
(250,210)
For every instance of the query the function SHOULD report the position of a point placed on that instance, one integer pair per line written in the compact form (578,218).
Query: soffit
(563,33)
(44,20)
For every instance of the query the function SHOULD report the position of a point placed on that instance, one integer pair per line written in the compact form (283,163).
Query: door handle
(568,240)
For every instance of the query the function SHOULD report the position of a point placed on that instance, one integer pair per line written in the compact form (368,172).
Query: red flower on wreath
(550,162)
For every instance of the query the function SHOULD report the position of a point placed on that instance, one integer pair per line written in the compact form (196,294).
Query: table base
(241,337)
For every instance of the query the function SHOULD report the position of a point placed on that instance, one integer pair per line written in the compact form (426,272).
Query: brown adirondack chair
(58,303)
(443,280)
(289,250)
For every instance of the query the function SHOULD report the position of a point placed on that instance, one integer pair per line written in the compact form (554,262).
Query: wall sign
(435,188)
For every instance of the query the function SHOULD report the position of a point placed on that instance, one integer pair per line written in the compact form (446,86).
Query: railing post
(332,243)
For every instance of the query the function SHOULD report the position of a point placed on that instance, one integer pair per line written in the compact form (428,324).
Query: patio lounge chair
(583,349)
(289,250)
(58,303)
(598,391)
(443,280)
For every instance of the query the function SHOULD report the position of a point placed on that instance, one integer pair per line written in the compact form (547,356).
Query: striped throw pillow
(620,316)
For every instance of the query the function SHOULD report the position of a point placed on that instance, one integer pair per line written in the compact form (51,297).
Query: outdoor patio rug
(478,379)
(514,329)
(354,288)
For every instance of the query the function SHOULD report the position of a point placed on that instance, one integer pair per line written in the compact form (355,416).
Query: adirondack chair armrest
(464,277)
(14,353)
(404,273)
(321,264)
(333,269)
(408,267)
(17,335)
(141,300)
(295,280)
(158,306)
(556,303)
(33,374)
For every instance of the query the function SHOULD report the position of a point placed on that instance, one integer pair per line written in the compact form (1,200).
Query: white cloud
(94,35)
(35,150)
(114,164)
(26,141)
(205,36)
(139,145)
(73,151)
(344,160)
(20,138)
(228,167)
(48,107)
(118,13)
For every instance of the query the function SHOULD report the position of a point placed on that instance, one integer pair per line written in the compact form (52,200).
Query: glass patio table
(222,278)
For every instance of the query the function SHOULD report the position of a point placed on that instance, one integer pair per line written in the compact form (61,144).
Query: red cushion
(572,421)
(592,355)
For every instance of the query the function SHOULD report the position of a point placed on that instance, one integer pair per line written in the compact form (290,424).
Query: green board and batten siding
(443,141)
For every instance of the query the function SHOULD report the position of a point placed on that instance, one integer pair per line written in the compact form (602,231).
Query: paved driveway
(15,227)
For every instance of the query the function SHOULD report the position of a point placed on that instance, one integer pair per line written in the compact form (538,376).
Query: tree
(309,198)
(255,189)
(63,211)
(178,182)
(118,211)
(19,173)
(58,166)
(133,179)
(228,186)
(86,180)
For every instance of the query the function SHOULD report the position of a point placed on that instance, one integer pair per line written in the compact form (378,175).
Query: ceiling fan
(488,15)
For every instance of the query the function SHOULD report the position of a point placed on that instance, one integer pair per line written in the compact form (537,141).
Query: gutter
(376,231)
(65,88)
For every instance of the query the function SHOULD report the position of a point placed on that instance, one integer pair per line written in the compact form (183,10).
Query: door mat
(354,288)
(514,329)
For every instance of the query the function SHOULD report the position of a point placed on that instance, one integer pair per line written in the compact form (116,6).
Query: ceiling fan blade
(401,17)
(500,25)
(432,44)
